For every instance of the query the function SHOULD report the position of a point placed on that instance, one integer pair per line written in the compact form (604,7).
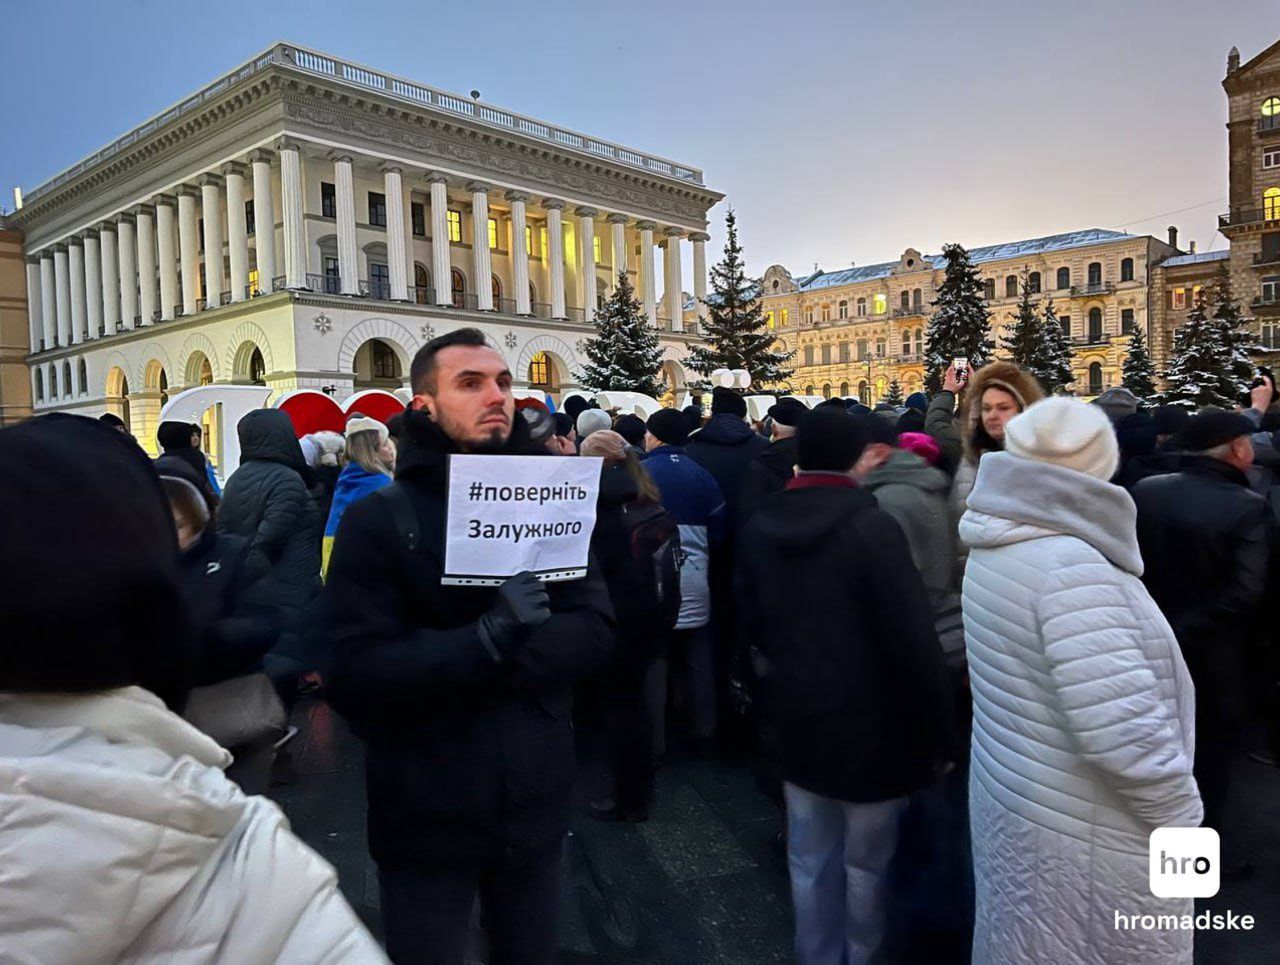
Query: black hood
(423,450)
(780,457)
(616,487)
(267,435)
(799,521)
(724,430)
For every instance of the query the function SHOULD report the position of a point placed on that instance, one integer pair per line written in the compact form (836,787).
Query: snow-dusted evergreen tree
(1235,335)
(1138,374)
(1055,373)
(735,330)
(624,354)
(1196,375)
(961,324)
(1025,343)
(894,395)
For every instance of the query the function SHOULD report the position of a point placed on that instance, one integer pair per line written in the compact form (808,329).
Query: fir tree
(1138,373)
(1235,338)
(624,354)
(1195,377)
(735,326)
(1055,373)
(960,326)
(1025,342)
(894,395)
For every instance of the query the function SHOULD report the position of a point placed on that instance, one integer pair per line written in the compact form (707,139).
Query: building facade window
(843,309)
(808,316)
(919,341)
(418,219)
(495,289)
(454,220)
(1270,335)
(595,249)
(458,282)
(1271,289)
(421,284)
(1064,323)
(1271,157)
(845,354)
(1095,274)
(249,226)
(808,390)
(808,360)
(384,365)
(1126,321)
(880,348)
(1011,286)
(861,307)
(906,343)
(844,390)
(332,275)
(826,355)
(1178,298)
(539,370)
(881,304)
(254,290)
(1033,283)
(493,233)
(53,381)
(786,317)
(1271,204)
(1095,325)
(864,350)
(39,385)
(377,209)
(1095,378)
(379,281)
(1064,278)
(826,390)
(989,289)
(328,200)
(1271,107)
(1126,269)
(917,298)
(826,313)
(768,320)
(905,301)
(66,379)
(1196,294)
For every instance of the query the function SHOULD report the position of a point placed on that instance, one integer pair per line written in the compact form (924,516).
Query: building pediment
(777,281)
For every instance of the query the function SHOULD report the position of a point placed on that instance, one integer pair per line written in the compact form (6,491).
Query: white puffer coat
(1083,721)
(122,841)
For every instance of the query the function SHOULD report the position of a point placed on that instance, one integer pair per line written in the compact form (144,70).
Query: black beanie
(728,402)
(573,406)
(669,426)
(829,440)
(95,603)
(878,429)
(174,435)
(631,427)
(694,414)
(1170,419)
(911,421)
(564,423)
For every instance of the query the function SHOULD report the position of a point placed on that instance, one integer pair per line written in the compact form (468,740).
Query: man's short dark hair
(422,373)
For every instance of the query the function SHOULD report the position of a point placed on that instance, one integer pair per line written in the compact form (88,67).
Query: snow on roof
(1011,249)
(1197,258)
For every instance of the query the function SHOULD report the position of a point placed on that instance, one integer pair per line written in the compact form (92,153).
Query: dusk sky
(839,131)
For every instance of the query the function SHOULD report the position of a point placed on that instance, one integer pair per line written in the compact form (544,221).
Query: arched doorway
(547,374)
(459,282)
(199,370)
(377,365)
(146,405)
(863,394)
(1095,378)
(117,394)
(249,367)
(496,290)
(421,284)
(674,383)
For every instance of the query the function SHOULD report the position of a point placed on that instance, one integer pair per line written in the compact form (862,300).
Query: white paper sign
(509,514)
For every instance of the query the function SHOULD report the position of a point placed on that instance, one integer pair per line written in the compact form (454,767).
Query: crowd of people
(1060,599)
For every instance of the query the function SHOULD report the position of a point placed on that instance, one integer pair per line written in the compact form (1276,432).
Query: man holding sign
(459,680)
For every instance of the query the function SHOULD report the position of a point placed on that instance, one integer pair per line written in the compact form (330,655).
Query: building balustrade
(1267,125)
(1249,216)
(1093,288)
(541,309)
(1267,258)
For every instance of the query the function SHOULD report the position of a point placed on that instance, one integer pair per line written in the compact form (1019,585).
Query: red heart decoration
(313,411)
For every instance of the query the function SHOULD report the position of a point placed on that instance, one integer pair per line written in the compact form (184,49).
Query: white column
(647,281)
(441,266)
(189,249)
(555,254)
(397,267)
(587,242)
(482,261)
(148,296)
(127,249)
(671,278)
(211,212)
(110,270)
(700,240)
(264,220)
(62,286)
(237,231)
(348,256)
(35,313)
(48,301)
(92,284)
(167,256)
(75,254)
(291,213)
(520,253)
(619,223)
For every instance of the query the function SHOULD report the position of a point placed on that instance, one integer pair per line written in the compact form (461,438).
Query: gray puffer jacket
(914,493)
(266,501)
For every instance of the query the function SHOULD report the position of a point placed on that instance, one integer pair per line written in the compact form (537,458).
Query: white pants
(838,854)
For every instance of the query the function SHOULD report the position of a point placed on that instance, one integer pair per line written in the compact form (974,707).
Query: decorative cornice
(286,144)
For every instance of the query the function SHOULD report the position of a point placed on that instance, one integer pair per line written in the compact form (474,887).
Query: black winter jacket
(1204,540)
(266,501)
(766,474)
(220,579)
(724,447)
(467,757)
(851,686)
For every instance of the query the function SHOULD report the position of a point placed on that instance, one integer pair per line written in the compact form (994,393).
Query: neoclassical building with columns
(307,222)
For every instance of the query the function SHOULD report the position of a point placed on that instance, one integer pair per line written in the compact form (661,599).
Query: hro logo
(1184,862)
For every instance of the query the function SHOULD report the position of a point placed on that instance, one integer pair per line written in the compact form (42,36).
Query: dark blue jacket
(691,495)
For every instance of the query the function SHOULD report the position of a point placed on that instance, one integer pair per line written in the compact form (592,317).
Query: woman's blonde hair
(362,449)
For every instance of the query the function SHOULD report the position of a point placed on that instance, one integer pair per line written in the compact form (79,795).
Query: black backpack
(650,601)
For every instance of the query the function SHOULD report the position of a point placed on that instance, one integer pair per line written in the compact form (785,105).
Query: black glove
(522,604)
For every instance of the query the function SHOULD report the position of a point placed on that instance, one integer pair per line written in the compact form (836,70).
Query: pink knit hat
(606,443)
(922,444)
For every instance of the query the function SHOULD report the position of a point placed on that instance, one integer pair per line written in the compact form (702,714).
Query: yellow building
(854,330)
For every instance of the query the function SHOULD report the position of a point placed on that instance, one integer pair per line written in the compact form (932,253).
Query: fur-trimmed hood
(1000,375)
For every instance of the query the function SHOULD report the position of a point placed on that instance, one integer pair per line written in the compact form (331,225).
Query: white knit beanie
(1065,432)
(363,423)
(592,420)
